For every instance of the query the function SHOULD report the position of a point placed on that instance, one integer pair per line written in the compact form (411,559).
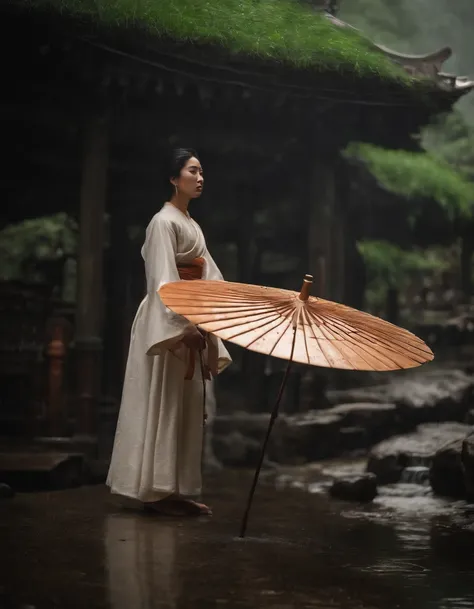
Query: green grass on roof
(281,30)
(417,175)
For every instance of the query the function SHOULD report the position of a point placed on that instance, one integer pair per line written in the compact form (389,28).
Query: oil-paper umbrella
(294,327)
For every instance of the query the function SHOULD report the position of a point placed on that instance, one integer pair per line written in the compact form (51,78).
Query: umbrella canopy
(296,327)
(288,325)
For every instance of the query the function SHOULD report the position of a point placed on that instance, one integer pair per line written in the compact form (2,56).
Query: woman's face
(191,181)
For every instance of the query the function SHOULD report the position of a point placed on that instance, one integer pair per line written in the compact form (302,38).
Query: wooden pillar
(88,341)
(326,259)
(246,246)
(340,230)
(253,364)
(321,210)
(338,236)
(117,275)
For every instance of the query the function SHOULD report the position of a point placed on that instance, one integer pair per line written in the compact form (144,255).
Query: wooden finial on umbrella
(307,282)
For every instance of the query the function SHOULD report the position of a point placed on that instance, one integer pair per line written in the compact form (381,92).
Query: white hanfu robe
(158,442)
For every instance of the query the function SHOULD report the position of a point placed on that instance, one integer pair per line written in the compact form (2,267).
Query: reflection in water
(141,562)
(434,554)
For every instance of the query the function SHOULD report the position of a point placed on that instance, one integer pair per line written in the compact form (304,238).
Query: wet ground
(81,549)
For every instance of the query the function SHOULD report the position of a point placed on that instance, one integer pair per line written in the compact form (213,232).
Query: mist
(419,27)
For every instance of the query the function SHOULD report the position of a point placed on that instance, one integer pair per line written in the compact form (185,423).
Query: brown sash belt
(188,272)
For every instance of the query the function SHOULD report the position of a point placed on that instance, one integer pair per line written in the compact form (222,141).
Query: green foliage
(451,139)
(281,30)
(389,266)
(418,175)
(25,246)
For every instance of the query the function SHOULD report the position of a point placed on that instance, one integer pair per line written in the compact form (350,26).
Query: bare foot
(178,507)
(204,510)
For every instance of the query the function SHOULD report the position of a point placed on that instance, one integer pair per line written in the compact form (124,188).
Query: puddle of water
(422,544)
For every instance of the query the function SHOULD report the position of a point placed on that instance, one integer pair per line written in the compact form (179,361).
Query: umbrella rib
(274,313)
(283,333)
(242,288)
(231,293)
(382,339)
(413,344)
(308,318)
(403,351)
(267,318)
(236,314)
(222,303)
(275,317)
(237,296)
(359,350)
(232,290)
(267,331)
(341,327)
(380,329)
(305,316)
(321,347)
(347,340)
(343,312)
(343,355)
(283,319)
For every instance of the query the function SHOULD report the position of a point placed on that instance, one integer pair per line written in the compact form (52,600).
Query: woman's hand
(193,339)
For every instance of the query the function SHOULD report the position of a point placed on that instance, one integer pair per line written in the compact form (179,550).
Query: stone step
(36,470)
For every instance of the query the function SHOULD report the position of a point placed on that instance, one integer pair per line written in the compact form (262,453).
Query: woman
(158,443)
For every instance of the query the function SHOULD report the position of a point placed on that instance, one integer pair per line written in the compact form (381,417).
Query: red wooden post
(56,352)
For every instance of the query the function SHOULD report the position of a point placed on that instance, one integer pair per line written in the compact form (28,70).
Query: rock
(388,459)
(294,440)
(365,417)
(452,469)
(211,463)
(467,461)
(370,395)
(322,434)
(237,438)
(250,425)
(353,438)
(426,396)
(313,390)
(416,474)
(361,488)
(235,449)
(378,420)
(6,492)
(469,420)
(308,437)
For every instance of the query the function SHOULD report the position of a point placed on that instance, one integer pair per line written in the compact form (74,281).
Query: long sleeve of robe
(158,441)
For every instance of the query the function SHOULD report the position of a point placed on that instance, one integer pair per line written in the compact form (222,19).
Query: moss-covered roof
(282,31)
(417,175)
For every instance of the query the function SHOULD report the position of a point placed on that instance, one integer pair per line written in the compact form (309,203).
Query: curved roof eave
(424,65)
